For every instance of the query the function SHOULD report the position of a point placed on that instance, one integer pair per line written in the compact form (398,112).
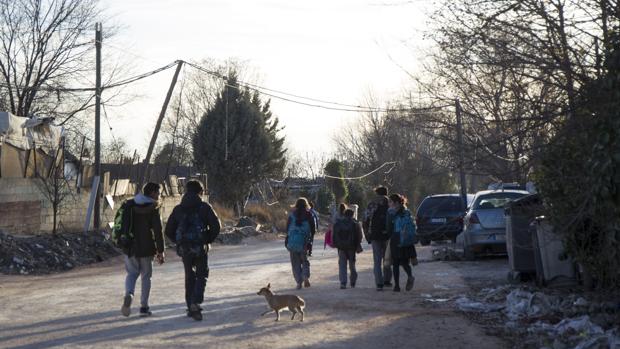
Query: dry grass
(274,215)
(226,214)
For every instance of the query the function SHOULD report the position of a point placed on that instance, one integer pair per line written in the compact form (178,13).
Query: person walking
(401,228)
(315,217)
(300,227)
(146,241)
(374,225)
(193,225)
(347,238)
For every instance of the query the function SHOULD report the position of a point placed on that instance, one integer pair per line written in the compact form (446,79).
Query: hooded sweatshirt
(191,203)
(146,227)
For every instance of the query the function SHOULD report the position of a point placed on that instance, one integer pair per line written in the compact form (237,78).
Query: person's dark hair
(150,188)
(193,187)
(301,207)
(342,208)
(349,213)
(399,199)
(381,190)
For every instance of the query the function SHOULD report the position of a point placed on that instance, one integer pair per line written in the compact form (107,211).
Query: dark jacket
(358,233)
(375,230)
(146,227)
(189,204)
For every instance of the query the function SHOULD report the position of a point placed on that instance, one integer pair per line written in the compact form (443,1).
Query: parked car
(484,224)
(440,217)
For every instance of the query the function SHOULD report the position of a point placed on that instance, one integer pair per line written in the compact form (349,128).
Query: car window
(497,200)
(440,204)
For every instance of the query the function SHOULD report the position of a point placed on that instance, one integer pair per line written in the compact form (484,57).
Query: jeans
(345,256)
(196,274)
(301,266)
(381,262)
(143,267)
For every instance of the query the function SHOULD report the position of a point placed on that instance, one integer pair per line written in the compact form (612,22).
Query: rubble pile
(552,319)
(234,236)
(46,253)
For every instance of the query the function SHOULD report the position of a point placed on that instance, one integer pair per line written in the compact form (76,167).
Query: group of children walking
(388,226)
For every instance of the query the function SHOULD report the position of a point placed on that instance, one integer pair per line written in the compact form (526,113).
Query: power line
(393,163)
(343,107)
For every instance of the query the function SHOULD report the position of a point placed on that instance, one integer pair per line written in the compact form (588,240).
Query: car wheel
(425,242)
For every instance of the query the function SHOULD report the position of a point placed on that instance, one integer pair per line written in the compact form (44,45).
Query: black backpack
(343,234)
(378,221)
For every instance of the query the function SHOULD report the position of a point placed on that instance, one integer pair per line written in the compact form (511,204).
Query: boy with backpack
(376,234)
(137,231)
(193,225)
(347,237)
(300,228)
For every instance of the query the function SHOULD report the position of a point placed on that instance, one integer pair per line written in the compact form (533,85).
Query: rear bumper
(480,239)
(437,232)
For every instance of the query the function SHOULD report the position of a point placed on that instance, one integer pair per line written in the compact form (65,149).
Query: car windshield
(496,200)
(431,206)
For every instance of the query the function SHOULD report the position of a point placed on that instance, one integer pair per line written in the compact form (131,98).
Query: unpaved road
(80,309)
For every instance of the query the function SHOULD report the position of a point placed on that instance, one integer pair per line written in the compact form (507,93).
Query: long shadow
(163,320)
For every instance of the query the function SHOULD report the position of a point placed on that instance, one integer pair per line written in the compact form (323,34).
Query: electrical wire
(393,163)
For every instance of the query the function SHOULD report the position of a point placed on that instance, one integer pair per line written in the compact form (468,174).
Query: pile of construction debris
(547,318)
(46,253)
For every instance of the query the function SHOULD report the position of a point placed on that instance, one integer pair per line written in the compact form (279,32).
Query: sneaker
(189,313)
(379,287)
(396,289)
(195,312)
(126,308)
(307,283)
(343,286)
(409,285)
(145,312)
(298,286)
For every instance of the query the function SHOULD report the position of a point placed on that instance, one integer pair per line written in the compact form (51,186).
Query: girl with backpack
(300,228)
(401,227)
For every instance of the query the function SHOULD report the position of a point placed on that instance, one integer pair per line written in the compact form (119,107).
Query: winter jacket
(376,230)
(191,203)
(358,233)
(146,227)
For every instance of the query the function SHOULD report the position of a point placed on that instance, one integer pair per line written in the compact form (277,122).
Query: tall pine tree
(237,143)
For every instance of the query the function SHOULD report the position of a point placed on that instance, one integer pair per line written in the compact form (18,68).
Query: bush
(358,194)
(579,178)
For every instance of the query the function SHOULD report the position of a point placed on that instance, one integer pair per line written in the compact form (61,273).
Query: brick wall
(25,210)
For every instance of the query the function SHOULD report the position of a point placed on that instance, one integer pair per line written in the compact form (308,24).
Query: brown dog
(278,302)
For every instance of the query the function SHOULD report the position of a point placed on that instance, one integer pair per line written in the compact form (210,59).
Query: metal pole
(162,113)
(98,38)
(459,137)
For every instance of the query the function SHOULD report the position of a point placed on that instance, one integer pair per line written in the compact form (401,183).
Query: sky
(336,50)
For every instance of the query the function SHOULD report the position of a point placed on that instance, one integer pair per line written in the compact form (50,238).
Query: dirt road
(80,309)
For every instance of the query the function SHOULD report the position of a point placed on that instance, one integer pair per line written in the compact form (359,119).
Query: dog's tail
(302,303)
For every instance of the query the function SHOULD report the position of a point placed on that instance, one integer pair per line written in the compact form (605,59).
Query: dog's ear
(269,285)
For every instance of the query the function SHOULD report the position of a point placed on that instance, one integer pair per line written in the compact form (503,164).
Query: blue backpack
(190,236)
(298,236)
(403,223)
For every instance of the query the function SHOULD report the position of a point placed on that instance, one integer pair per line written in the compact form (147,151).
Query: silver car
(484,224)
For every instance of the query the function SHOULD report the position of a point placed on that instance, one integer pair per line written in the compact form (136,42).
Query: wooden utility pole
(459,139)
(98,39)
(145,171)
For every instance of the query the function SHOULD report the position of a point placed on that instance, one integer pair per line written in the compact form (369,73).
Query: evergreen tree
(335,168)
(237,144)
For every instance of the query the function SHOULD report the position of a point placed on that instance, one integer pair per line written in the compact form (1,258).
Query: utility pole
(98,39)
(459,138)
(145,171)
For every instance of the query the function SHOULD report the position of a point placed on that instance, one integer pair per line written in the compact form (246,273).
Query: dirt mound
(44,254)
